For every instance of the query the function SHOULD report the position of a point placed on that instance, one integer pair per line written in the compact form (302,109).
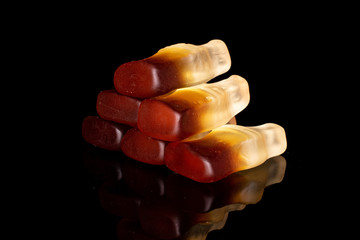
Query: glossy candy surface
(225,150)
(115,107)
(102,133)
(188,111)
(172,67)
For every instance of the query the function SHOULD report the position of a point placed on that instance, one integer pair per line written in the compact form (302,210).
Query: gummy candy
(102,133)
(112,106)
(175,66)
(178,119)
(225,150)
(188,111)
(143,148)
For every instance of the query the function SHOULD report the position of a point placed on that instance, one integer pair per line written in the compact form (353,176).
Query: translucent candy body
(225,150)
(102,133)
(172,67)
(188,111)
(115,107)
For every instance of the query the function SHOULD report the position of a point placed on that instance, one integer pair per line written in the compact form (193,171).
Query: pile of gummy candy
(163,112)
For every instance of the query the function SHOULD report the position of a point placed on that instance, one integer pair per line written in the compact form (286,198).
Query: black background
(282,53)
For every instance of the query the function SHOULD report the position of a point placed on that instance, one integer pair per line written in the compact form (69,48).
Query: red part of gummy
(102,133)
(115,107)
(143,148)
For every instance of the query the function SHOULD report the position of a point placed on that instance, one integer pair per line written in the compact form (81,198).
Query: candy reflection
(155,203)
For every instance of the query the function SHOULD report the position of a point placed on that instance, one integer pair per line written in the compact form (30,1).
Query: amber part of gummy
(225,150)
(188,111)
(143,148)
(102,133)
(115,107)
(172,67)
